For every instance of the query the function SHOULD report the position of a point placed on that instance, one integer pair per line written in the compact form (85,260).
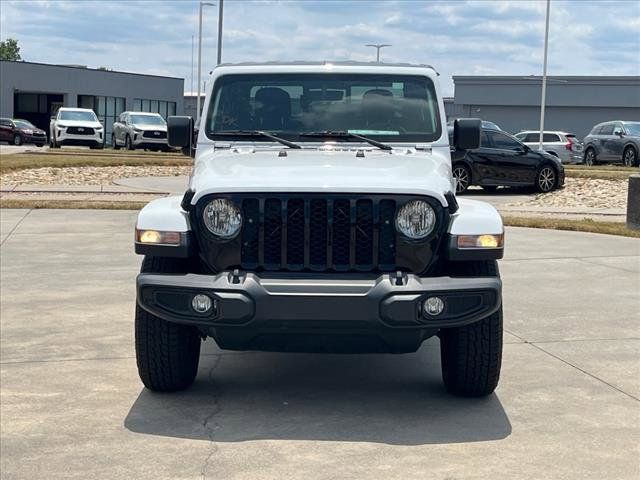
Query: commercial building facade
(574,104)
(35,91)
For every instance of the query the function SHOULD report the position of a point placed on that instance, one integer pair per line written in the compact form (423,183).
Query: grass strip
(25,161)
(584,225)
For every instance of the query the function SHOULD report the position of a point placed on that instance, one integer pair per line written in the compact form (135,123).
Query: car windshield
(147,119)
(23,124)
(633,128)
(78,115)
(395,108)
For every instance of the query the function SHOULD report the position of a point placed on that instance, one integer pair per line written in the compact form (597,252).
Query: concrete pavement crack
(209,424)
(15,227)
(584,260)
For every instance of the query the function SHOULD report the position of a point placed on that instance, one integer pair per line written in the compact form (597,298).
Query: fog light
(434,305)
(201,303)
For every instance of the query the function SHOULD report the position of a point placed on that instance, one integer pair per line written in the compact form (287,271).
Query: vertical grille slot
(364,235)
(272,234)
(340,243)
(318,228)
(250,233)
(387,235)
(295,234)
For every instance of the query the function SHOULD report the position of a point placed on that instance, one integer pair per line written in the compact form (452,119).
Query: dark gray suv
(616,141)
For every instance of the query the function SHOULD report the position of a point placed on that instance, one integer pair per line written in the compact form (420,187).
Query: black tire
(462,174)
(630,157)
(128,144)
(546,178)
(167,353)
(490,188)
(114,145)
(471,356)
(590,157)
(39,145)
(17,139)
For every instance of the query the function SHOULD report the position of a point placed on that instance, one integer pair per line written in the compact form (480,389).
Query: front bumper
(248,306)
(64,138)
(139,141)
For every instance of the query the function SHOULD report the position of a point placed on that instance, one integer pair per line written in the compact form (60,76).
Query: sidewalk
(145,189)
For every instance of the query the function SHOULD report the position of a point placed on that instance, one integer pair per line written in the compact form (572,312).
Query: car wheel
(39,145)
(630,157)
(167,353)
(17,139)
(590,157)
(462,175)
(471,356)
(114,144)
(546,179)
(128,145)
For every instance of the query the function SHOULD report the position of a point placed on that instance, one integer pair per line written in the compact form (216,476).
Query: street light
(220,32)
(544,76)
(378,46)
(202,4)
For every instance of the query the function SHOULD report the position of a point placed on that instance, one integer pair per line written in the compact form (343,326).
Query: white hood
(403,171)
(150,126)
(79,123)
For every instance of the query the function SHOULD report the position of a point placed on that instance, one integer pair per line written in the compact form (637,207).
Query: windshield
(23,124)
(147,119)
(78,115)
(633,128)
(395,108)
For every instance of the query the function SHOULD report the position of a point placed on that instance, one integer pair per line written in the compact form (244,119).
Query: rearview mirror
(466,133)
(180,132)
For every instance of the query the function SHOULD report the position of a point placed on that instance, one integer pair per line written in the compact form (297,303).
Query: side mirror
(619,133)
(180,132)
(466,133)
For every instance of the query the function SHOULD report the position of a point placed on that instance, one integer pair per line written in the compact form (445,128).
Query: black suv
(616,141)
(502,160)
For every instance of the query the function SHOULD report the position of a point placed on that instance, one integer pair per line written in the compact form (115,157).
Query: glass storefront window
(145,106)
(137,104)
(154,106)
(162,108)
(172,109)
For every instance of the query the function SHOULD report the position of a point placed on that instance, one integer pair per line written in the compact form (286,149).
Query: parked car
(331,227)
(76,126)
(563,145)
(17,132)
(502,160)
(616,141)
(140,130)
(485,124)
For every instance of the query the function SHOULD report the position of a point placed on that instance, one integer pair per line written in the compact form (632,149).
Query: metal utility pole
(220,7)
(192,42)
(202,4)
(544,76)
(378,46)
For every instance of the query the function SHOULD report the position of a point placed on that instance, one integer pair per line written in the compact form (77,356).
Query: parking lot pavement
(7,149)
(71,404)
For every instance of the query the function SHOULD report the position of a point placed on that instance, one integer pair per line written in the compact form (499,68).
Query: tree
(9,50)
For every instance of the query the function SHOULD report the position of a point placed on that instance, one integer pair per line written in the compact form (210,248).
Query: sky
(475,37)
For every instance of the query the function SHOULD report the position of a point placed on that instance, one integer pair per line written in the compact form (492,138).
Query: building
(574,104)
(191,103)
(35,91)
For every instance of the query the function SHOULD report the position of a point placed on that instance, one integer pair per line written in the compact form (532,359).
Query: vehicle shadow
(392,399)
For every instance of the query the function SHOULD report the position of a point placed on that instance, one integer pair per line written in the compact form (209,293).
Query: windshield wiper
(343,134)
(258,133)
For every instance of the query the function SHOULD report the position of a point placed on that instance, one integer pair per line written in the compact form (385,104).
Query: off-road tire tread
(167,353)
(471,355)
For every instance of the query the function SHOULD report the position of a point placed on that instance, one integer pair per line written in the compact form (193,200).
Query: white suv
(563,145)
(140,130)
(321,216)
(76,126)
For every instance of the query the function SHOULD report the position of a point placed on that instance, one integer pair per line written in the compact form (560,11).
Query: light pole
(544,76)
(378,46)
(192,42)
(202,4)
(220,6)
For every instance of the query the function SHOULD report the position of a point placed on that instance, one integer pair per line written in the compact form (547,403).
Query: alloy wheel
(462,179)
(629,157)
(589,158)
(546,179)
(17,140)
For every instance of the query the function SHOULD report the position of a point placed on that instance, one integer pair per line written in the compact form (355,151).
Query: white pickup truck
(321,217)
(76,126)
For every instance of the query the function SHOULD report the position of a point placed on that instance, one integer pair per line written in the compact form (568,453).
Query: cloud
(457,37)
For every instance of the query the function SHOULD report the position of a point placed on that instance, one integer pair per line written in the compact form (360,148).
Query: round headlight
(222,218)
(416,219)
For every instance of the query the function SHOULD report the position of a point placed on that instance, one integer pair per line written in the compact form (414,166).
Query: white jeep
(320,217)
